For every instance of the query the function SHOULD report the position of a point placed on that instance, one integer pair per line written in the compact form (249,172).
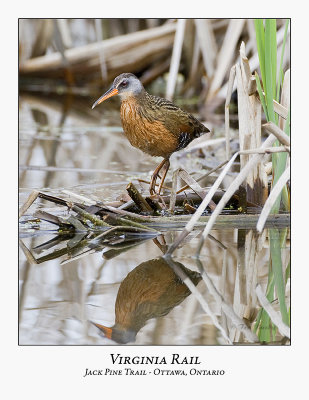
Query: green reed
(269,89)
(266,39)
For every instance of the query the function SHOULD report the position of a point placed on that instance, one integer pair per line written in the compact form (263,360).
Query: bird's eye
(124,83)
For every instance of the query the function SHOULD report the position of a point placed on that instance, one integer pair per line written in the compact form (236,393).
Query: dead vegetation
(203,50)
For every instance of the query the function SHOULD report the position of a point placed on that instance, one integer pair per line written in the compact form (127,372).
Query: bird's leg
(166,166)
(154,178)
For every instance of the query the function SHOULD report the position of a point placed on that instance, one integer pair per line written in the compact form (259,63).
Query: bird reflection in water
(150,290)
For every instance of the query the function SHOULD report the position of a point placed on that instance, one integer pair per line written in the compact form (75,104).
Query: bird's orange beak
(107,331)
(111,92)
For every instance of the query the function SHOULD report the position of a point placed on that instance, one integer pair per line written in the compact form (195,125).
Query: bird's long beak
(111,92)
(106,330)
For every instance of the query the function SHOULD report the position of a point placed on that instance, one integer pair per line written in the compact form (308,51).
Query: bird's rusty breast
(144,129)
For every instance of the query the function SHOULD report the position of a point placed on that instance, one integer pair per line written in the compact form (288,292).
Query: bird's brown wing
(176,120)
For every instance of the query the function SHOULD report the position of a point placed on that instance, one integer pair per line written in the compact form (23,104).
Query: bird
(150,290)
(152,124)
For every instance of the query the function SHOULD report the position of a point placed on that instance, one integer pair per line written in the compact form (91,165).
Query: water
(65,287)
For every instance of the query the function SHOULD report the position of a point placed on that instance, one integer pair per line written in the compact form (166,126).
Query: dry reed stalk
(83,199)
(133,24)
(271,128)
(280,109)
(195,186)
(227,111)
(99,33)
(152,22)
(238,306)
(117,48)
(253,246)
(134,59)
(59,44)
(251,44)
(65,33)
(207,44)
(241,265)
(268,167)
(273,315)
(156,70)
(225,56)
(203,176)
(275,192)
(45,30)
(32,197)
(175,60)
(191,182)
(195,59)
(279,149)
(249,115)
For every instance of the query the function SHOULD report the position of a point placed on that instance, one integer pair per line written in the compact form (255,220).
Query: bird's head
(117,333)
(125,85)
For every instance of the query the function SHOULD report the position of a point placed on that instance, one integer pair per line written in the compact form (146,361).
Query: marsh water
(66,146)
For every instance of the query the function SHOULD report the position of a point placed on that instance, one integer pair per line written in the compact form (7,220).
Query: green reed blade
(287,272)
(263,322)
(270,67)
(260,42)
(279,165)
(280,78)
(264,331)
(260,91)
(273,43)
(274,331)
(275,254)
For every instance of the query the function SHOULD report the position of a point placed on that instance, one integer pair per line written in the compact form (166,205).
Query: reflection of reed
(151,290)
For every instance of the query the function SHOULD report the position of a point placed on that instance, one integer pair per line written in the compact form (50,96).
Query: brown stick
(138,198)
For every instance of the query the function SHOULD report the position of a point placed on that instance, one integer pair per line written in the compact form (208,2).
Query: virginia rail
(150,290)
(152,124)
